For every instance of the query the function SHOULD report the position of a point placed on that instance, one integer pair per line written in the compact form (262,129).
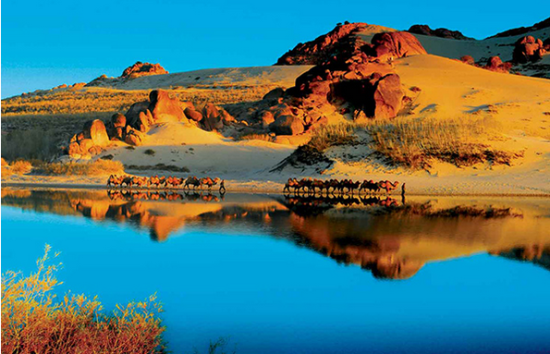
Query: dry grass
(96,168)
(33,321)
(333,135)
(19,167)
(95,99)
(415,143)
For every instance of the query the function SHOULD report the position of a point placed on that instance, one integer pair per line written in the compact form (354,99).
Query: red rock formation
(165,108)
(323,47)
(468,59)
(143,69)
(397,44)
(528,49)
(440,32)
(495,64)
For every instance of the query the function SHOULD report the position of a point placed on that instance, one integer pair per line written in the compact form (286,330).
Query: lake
(276,274)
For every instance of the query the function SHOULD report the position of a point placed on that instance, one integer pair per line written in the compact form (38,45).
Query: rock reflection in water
(386,236)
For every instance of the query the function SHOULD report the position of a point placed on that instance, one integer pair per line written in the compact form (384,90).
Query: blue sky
(50,43)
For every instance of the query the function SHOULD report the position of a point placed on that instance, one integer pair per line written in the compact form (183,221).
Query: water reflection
(391,238)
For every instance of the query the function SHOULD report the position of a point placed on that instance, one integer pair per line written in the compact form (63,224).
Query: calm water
(276,274)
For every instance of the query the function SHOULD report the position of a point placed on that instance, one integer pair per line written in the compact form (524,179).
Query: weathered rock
(226,117)
(528,49)
(164,108)
(287,125)
(144,120)
(192,114)
(96,131)
(274,94)
(133,138)
(143,69)
(212,118)
(398,44)
(85,145)
(388,97)
(74,150)
(323,48)
(118,120)
(266,118)
(132,115)
(468,59)
(495,64)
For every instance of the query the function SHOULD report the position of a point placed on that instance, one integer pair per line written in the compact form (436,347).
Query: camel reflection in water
(385,236)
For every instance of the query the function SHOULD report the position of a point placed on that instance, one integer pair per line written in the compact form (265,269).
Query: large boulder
(143,69)
(118,120)
(495,64)
(528,49)
(396,44)
(212,117)
(388,97)
(164,108)
(192,114)
(287,125)
(96,131)
(132,115)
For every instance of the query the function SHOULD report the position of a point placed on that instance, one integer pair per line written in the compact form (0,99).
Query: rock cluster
(357,82)
(440,32)
(528,49)
(323,47)
(132,127)
(494,63)
(142,69)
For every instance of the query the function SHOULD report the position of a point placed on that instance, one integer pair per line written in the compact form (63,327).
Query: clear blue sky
(50,43)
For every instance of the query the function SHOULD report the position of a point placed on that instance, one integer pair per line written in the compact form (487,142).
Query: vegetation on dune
(416,143)
(33,321)
(96,168)
(19,167)
(333,135)
(255,136)
(70,101)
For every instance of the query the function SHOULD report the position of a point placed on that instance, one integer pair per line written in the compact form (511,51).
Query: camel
(114,180)
(388,186)
(209,182)
(291,183)
(192,181)
(139,181)
(369,186)
(127,180)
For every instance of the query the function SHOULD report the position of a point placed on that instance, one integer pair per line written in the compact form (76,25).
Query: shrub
(150,152)
(21,167)
(253,136)
(34,322)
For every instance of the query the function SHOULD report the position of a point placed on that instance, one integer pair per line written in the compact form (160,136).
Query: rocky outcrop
(495,64)
(352,79)
(528,49)
(90,141)
(396,45)
(324,47)
(468,59)
(165,108)
(439,32)
(142,69)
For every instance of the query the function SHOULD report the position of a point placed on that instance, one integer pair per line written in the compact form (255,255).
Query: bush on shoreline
(33,321)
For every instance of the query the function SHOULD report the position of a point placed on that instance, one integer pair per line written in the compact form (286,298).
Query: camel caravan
(334,186)
(165,182)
